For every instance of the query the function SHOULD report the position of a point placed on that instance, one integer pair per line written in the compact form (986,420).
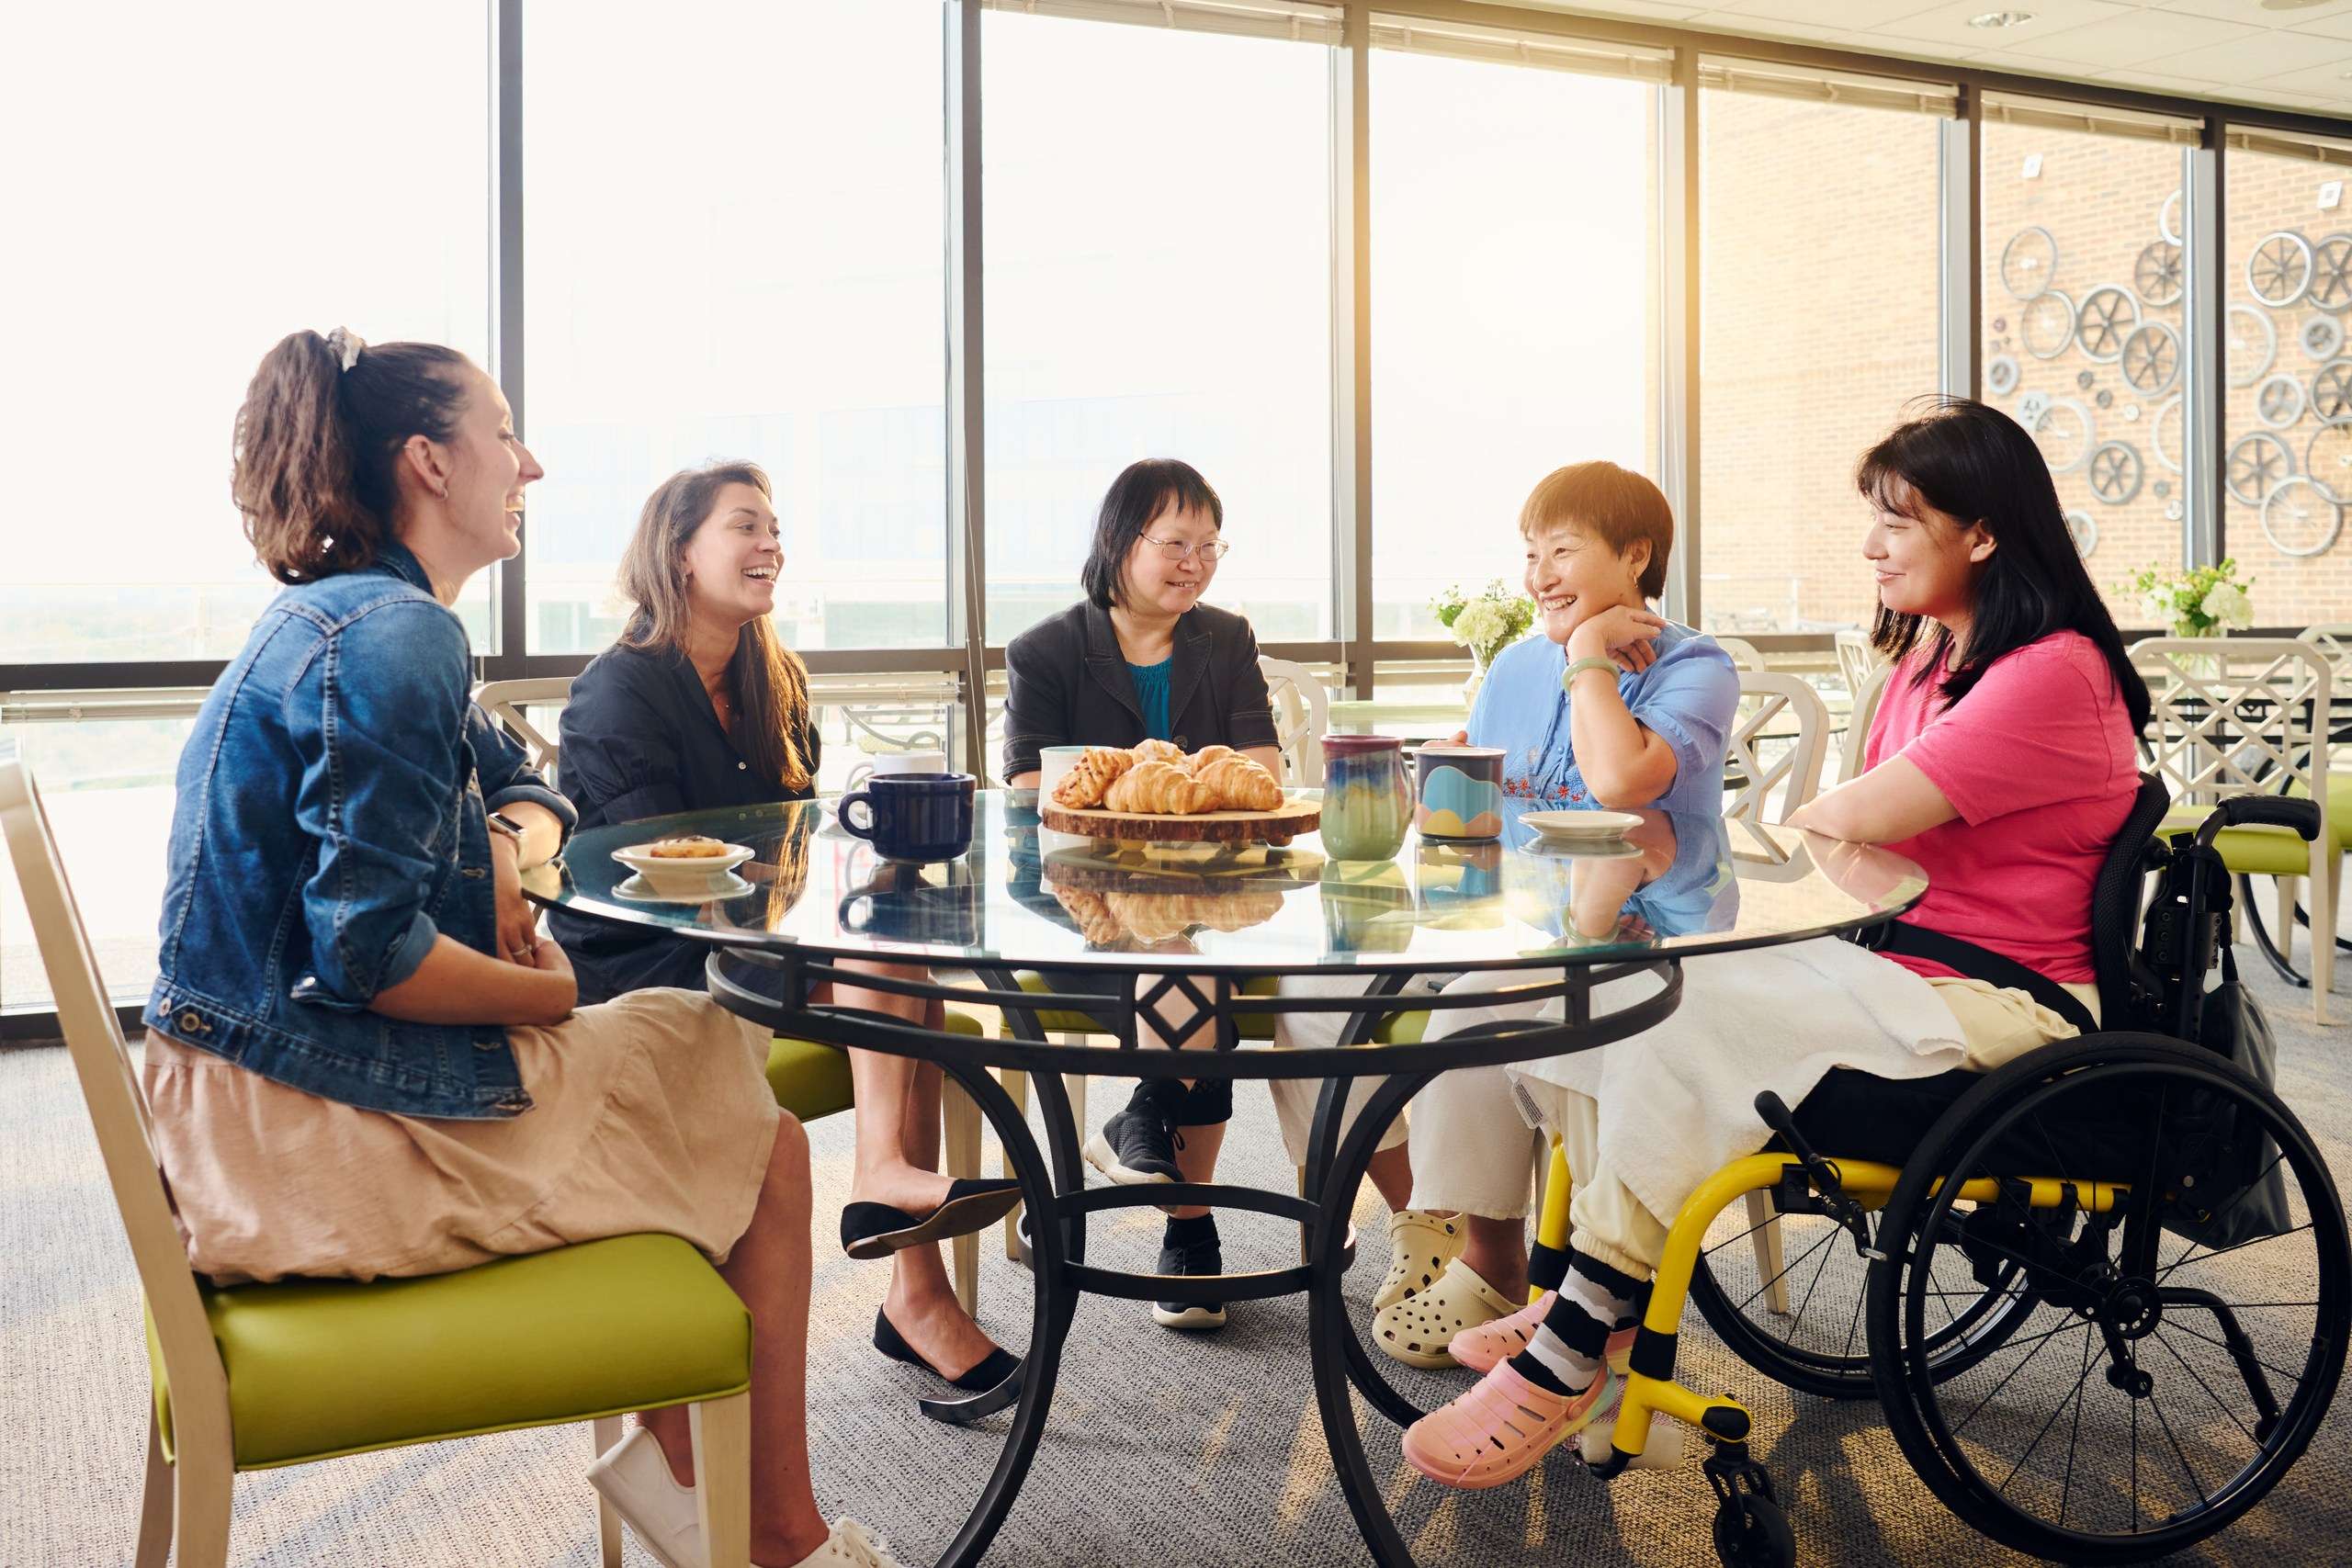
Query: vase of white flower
(2206,600)
(1486,624)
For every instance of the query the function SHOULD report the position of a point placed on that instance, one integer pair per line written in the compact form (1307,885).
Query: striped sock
(1564,1355)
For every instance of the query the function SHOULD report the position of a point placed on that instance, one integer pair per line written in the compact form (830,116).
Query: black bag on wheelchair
(2231,1185)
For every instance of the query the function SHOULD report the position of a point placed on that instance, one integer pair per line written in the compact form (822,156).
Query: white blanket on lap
(1678,1101)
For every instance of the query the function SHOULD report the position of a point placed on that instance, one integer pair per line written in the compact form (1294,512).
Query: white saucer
(1581,827)
(726,884)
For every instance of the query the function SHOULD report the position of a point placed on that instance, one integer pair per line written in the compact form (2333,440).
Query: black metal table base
(1053,1179)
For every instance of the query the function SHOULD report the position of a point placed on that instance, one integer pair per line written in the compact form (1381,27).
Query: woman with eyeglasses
(1142,659)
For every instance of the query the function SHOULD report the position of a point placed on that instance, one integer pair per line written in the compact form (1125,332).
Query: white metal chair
(253,1377)
(1856,658)
(1859,714)
(2236,715)
(1302,718)
(1745,655)
(1779,710)
(509,703)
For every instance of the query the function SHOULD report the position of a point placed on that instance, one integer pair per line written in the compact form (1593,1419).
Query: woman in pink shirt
(2001,760)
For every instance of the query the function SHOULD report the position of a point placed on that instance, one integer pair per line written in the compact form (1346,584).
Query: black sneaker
(1135,1148)
(1196,1257)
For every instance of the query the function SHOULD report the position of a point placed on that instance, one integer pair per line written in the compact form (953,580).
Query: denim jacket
(328,827)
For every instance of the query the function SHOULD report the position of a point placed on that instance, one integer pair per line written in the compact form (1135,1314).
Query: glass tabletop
(1026,896)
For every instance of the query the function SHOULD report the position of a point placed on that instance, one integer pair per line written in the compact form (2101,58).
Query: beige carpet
(1163,1450)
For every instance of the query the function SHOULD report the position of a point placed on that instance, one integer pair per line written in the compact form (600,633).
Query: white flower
(2228,603)
(1481,624)
(2160,607)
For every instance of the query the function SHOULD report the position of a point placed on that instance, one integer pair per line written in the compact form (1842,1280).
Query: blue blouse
(1151,691)
(1689,698)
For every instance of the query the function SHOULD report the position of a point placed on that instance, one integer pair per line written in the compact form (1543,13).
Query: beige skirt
(650,1113)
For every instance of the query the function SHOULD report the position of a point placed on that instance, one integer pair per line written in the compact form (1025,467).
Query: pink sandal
(1480,1348)
(1498,1431)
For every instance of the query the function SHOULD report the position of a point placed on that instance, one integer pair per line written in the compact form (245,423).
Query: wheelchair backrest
(2116,900)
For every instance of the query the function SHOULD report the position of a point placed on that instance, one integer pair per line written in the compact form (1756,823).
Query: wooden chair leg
(203,1482)
(1765,1231)
(605,1433)
(722,1429)
(1016,1085)
(154,1502)
(2285,924)
(960,1119)
(2325,891)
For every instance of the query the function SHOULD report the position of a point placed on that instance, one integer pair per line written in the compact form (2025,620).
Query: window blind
(1504,46)
(2047,115)
(1292,19)
(1763,78)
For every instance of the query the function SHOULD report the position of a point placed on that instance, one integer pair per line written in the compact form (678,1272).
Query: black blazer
(1070,686)
(639,738)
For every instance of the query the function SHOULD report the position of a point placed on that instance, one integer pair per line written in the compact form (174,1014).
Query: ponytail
(317,440)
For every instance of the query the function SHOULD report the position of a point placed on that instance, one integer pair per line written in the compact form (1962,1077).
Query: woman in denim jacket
(361,1059)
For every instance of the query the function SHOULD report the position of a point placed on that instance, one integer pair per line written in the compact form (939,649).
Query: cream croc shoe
(636,1480)
(851,1545)
(1420,1245)
(1416,1329)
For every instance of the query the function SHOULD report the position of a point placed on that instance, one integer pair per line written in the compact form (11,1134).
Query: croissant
(1158,789)
(1085,785)
(1241,784)
(1157,917)
(1156,751)
(1205,756)
(1095,921)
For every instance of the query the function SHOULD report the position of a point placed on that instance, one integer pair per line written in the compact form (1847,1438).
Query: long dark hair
(315,445)
(765,680)
(1976,464)
(1140,493)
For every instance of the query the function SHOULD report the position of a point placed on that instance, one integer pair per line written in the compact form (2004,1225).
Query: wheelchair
(2102,1292)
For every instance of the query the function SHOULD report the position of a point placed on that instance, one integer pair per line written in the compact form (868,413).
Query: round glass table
(1153,941)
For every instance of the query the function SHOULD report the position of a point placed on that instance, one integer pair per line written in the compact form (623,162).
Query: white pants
(1294,1098)
(1479,1131)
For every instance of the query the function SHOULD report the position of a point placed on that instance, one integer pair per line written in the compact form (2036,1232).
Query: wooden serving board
(1293,817)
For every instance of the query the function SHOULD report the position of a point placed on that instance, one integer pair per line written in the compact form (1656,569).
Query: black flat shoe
(993,1369)
(878,1230)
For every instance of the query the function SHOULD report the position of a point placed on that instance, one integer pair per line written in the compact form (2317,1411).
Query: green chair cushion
(812,1080)
(319,1367)
(2256,851)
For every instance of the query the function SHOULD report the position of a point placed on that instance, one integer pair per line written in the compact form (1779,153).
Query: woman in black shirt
(701,707)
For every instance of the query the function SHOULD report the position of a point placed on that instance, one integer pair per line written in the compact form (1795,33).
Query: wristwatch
(499,822)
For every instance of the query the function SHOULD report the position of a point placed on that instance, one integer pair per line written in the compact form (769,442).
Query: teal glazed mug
(1367,803)
(911,816)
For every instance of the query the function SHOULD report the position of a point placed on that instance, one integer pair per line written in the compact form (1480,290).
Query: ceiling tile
(2249,11)
(1948,23)
(1852,16)
(2133,37)
(1633,10)
(2319,81)
(2250,59)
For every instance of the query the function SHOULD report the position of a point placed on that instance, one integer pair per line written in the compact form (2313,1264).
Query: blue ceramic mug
(912,816)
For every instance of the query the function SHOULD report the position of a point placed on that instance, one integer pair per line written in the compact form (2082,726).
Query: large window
(171,223)
(1157,250)
(2287,261)
(2085,298)
(1821,311)
(733,250)
(1514,301)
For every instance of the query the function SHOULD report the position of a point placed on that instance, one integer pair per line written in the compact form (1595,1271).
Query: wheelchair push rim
(2164,1383)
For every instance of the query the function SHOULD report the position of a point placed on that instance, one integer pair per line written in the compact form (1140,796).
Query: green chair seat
(319,1367)
(2269,851)
(812,1080)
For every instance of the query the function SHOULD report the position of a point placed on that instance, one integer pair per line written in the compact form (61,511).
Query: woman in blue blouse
(1611,706)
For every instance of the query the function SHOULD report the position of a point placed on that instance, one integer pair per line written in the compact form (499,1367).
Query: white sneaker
(851,1545)
(636,1480)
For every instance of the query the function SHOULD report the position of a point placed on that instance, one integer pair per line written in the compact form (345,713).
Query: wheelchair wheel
(2177,1357)
(1817,1346)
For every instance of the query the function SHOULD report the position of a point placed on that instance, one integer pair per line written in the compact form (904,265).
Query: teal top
(1151,691)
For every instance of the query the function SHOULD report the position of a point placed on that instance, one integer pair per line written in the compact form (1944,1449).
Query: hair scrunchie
(345,344)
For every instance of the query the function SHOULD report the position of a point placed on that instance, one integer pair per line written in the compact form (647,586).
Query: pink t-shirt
(2038,761)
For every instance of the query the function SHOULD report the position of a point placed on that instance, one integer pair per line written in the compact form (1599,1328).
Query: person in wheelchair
(2002,760)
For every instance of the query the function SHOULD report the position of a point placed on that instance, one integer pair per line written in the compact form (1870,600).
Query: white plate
(724,885)
(682,876)
(1581,827)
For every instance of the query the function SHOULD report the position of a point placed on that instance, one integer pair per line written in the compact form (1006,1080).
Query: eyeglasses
(1176,550)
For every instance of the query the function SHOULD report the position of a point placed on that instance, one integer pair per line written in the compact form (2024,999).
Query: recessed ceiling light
(2000,19)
